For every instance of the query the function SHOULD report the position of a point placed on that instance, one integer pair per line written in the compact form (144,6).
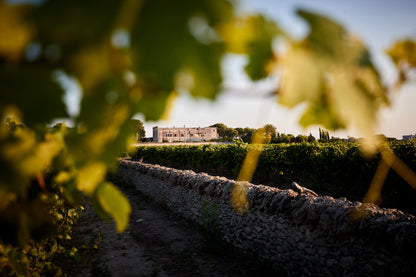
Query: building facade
(407,137)
(184,134)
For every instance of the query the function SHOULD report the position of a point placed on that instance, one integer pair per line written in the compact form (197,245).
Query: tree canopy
(140,132)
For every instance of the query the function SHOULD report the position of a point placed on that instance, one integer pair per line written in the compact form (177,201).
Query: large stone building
(184,134)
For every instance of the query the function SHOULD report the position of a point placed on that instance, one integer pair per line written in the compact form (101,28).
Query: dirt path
(157,243)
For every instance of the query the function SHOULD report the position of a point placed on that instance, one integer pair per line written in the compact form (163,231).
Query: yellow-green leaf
(332,72)
(403,51)
(90,176)
(114,203)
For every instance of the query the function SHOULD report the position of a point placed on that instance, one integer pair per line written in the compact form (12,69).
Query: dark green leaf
(34,91)
(260,48)
(69,23)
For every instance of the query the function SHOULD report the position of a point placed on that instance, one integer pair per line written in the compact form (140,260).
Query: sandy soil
(157,243)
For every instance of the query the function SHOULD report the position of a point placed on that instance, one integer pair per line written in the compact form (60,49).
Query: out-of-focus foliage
(331,70)
(252,35)
(128,57)
(15,32)
(403,54)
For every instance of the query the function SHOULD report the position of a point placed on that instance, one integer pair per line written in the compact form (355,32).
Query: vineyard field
(335,169)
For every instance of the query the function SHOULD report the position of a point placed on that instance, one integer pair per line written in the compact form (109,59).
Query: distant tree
(248,129)
(311,138)
(139,129)
(239,130)
(323,135)
(221,129)
(230,133)
(247,136)
(282,138)
(336,139)
(301,138)
(285,138)
(269,129)
(351,139)
(269,133)
(391,139)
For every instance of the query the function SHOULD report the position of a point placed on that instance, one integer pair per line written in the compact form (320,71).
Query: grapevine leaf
(332,72)
(19,262)
(260,51)
(15,33)
(166,42)
(105,123)
(153,104)
(403,51)
(114,203)
(403,55)
(34,91)
(69,23)
(90,176)
(23,157)
(251,35)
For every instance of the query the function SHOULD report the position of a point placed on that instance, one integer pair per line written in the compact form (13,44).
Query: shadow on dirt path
(156,243)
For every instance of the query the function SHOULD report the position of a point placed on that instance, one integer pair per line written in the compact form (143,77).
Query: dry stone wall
(299,234)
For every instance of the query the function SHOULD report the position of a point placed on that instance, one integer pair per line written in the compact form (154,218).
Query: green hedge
(336,169)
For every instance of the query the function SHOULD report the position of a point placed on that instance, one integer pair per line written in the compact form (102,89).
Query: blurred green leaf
(403,54)
(19,262)
(75,22)
(403,51)
(114,203)
(332,72)
(260,50)
(15,32)
(326,37)
(153,104)
(34,91)
(165,45)
(24,155)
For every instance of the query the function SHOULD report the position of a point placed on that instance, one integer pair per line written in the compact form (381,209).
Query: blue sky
(377,22)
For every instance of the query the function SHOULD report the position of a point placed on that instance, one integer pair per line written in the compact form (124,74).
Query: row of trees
(268,132)
(270,135)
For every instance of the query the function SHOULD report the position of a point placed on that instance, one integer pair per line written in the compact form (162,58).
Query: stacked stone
(298,233)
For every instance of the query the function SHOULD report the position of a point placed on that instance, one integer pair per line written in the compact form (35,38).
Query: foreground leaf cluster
(125,57)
